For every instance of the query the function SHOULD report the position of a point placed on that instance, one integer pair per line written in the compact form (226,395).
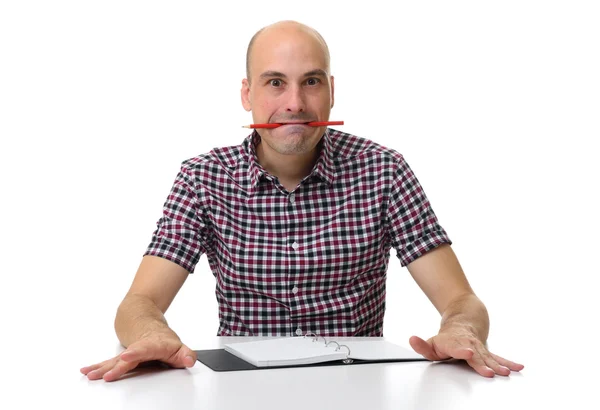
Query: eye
(275,82)
(313,81)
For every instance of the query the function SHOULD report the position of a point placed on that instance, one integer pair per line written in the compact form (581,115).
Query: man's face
(289,84)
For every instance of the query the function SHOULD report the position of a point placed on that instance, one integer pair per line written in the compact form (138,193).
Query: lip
(294,123)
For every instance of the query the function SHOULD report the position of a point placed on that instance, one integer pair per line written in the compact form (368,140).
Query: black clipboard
(220,360)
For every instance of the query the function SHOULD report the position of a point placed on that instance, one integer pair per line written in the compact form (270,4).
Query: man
(297,224)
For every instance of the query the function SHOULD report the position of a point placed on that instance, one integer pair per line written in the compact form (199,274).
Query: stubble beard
(297,146)
(293,144)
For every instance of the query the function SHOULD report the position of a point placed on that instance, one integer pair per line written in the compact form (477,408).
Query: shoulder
(217,169)
(222,157)
(217,164)
(347,148)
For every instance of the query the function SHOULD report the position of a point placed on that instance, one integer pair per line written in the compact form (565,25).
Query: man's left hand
(456,343)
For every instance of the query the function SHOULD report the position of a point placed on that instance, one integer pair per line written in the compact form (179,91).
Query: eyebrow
(316,72)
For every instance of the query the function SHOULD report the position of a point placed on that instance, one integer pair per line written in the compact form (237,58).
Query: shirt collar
(324,167)
(255,170)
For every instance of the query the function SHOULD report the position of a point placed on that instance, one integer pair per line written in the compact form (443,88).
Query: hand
(460,344)
(166,348)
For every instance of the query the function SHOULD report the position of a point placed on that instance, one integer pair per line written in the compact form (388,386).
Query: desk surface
(410,385)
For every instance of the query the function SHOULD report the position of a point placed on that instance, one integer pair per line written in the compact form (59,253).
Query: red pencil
(312,124)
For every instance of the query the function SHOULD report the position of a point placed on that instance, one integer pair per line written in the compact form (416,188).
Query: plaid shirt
(311,260)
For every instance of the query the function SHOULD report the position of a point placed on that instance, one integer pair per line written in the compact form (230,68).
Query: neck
(289,169)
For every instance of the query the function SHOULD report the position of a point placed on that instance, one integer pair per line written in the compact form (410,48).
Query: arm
(439,274)
(177,244)
(140,323)
(464,326)
(154,288)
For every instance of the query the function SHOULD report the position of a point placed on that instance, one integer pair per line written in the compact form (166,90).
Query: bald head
(269,34)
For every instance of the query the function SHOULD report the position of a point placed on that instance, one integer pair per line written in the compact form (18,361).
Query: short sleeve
(411,223)
(180,234)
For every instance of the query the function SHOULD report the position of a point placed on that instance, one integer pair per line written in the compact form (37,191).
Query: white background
(495,106)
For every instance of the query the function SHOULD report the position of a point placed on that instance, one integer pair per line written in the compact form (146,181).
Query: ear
(245,93)
(332,93)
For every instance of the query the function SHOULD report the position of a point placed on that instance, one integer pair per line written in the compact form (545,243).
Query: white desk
(411,385)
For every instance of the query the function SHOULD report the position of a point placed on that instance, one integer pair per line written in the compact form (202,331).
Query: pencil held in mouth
(312,124)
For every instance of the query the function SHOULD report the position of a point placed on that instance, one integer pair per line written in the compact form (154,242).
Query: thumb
(424,348)
(185,357)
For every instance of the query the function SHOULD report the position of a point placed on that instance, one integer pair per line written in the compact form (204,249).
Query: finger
(87,369)
(492,363)
(450,347)
(144,352)
(148,350)
(496,367)
(456,350)
(515,367)
(424,348)
(135,354)
(98,373)
(119,370)
(478,364)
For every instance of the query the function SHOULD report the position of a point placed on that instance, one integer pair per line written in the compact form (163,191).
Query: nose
(295,100)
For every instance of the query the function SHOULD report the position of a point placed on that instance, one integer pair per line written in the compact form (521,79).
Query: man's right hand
(164,347)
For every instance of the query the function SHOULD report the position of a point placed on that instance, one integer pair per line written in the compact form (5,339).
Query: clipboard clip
(339,346)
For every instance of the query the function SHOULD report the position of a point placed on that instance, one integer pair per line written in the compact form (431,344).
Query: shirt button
(295,246)
(299,332)
(292,198)
(295,290)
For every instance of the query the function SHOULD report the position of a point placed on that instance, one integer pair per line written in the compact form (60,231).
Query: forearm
(469,313)
(138,316)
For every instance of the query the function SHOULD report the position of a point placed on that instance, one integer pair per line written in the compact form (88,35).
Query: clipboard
(219,360)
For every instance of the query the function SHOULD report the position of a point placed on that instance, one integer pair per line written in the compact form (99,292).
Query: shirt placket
(294,247)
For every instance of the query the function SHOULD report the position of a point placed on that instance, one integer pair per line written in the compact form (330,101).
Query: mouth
(294,123)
